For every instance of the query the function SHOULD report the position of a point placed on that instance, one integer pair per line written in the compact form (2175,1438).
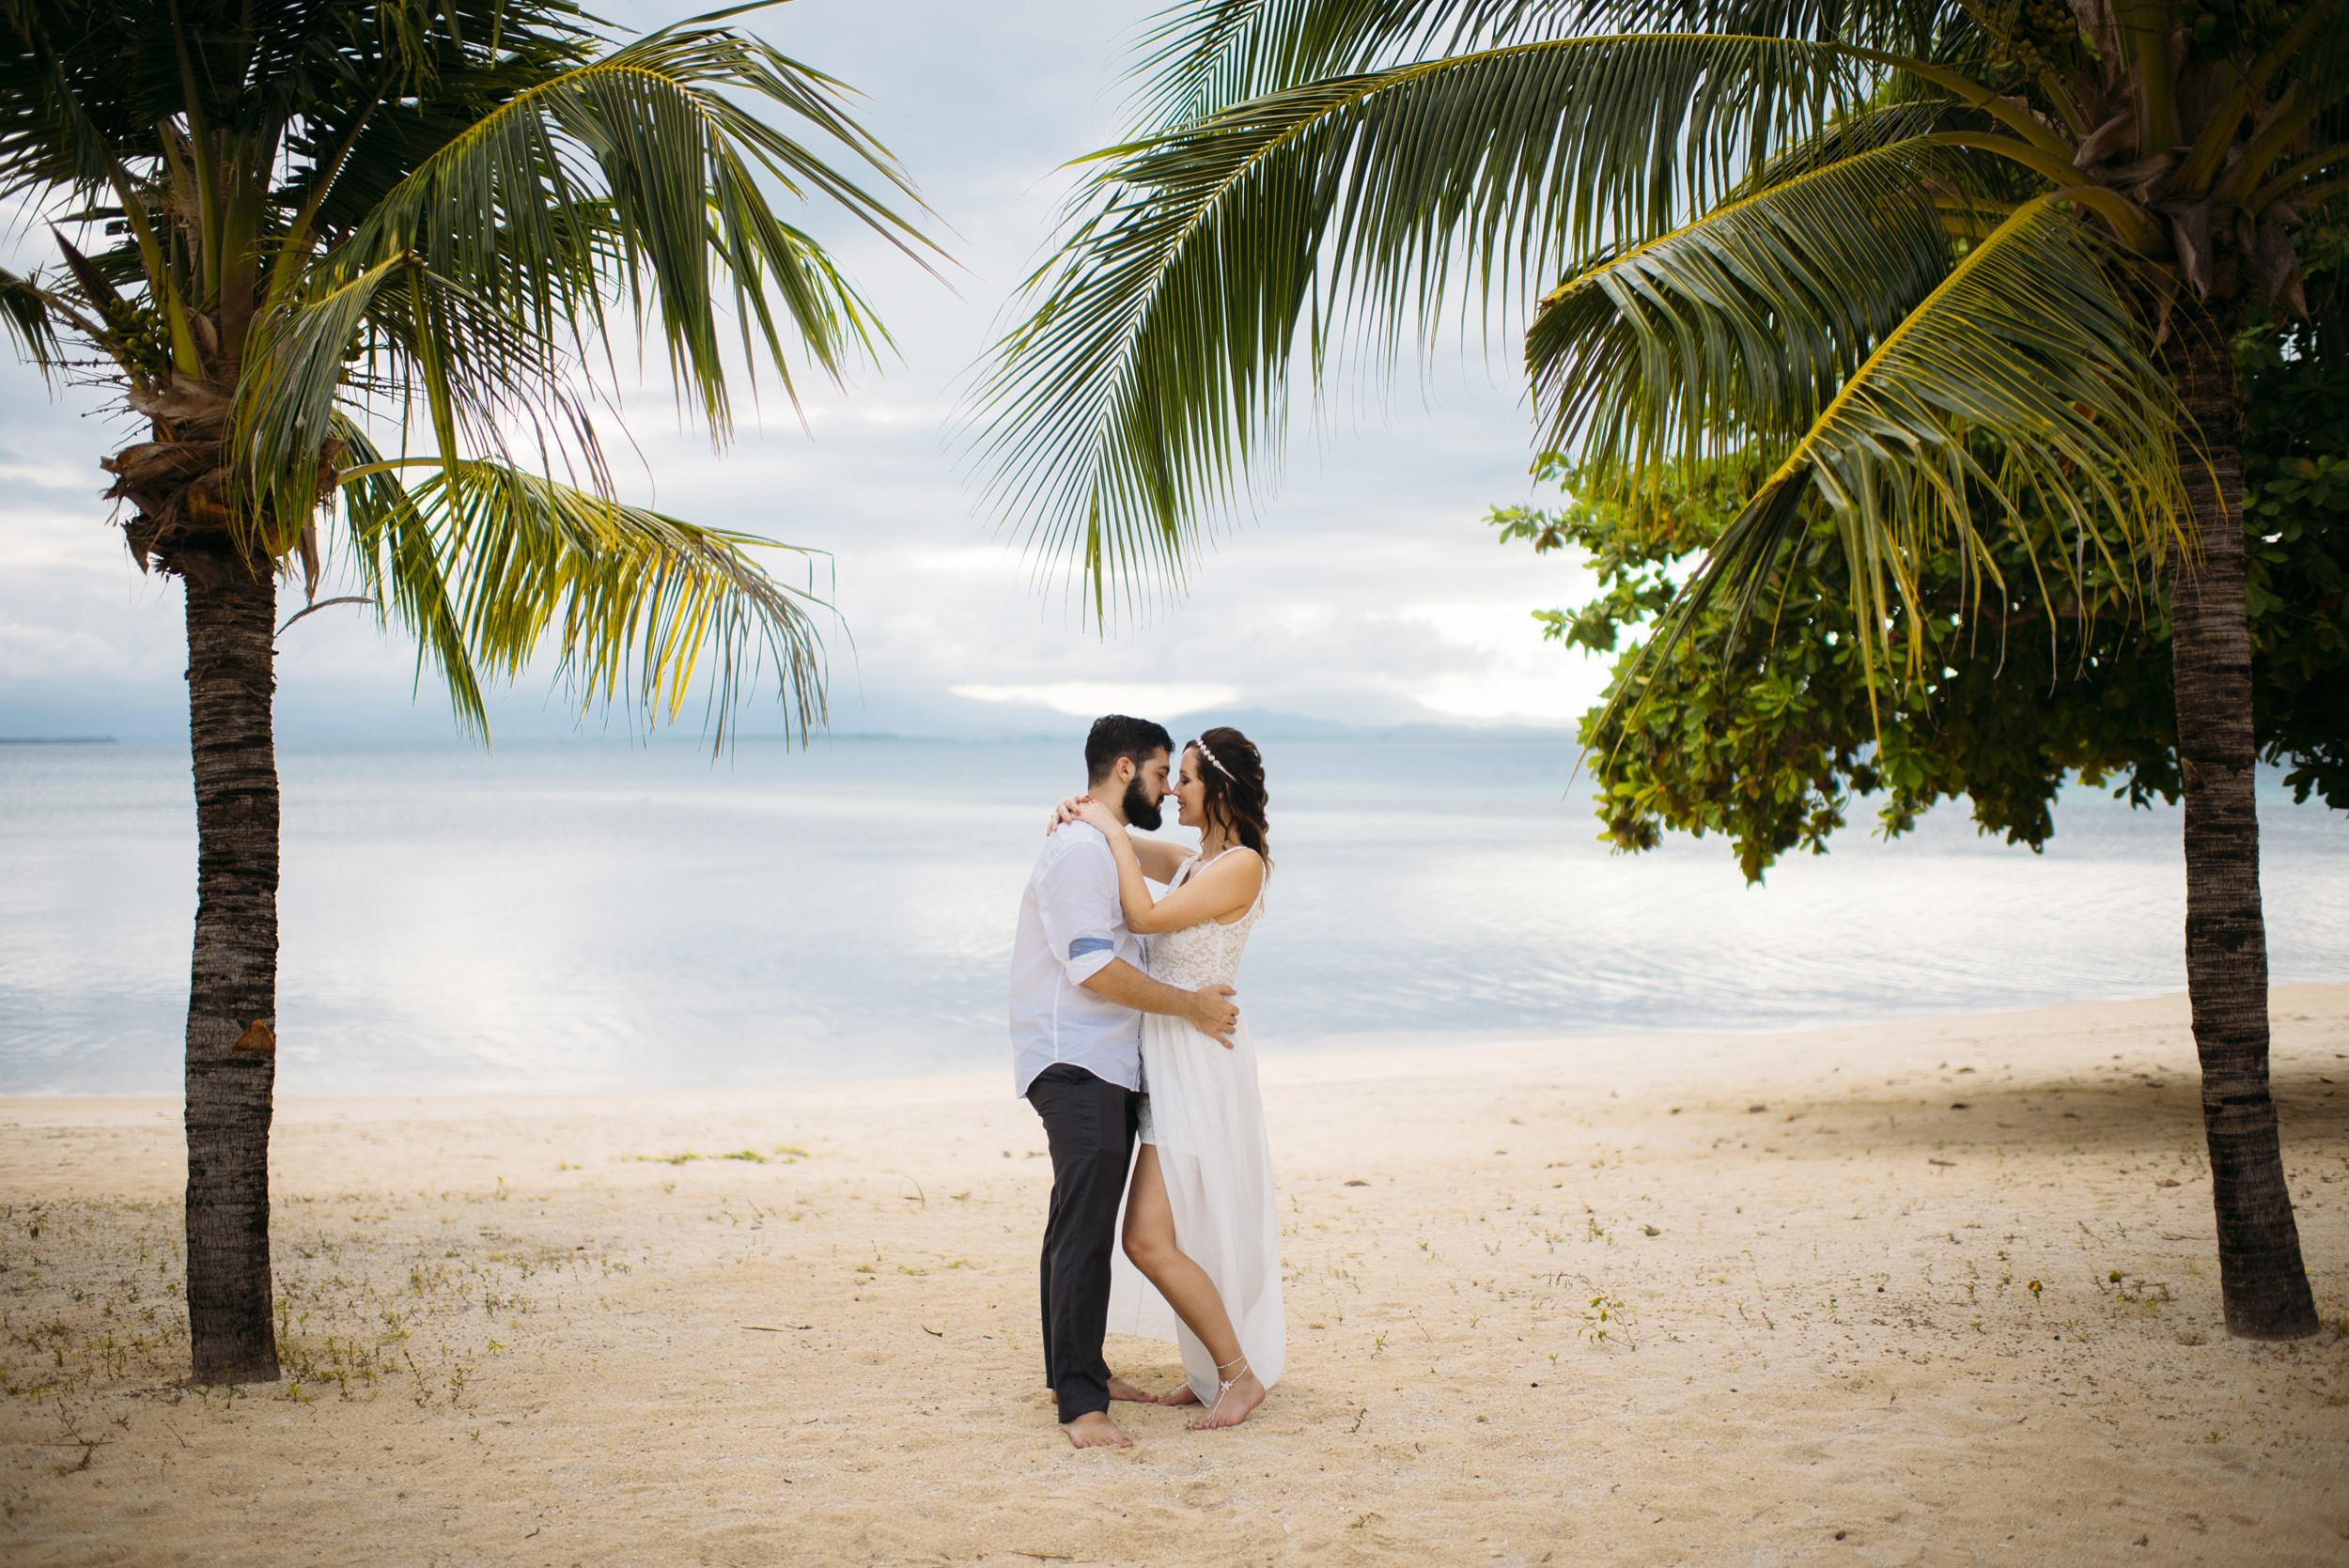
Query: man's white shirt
(1072,924)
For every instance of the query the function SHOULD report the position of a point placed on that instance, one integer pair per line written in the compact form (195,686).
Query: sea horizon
(605,913)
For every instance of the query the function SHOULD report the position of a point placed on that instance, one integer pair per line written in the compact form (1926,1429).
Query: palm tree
(1923,257)
(339,244)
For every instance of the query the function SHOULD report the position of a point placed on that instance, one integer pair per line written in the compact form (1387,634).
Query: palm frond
(1199,59)
(1878,124)
(642,164)
(2030,341)
(50,138)
(288,404)
(1147,382)
(392,546)
(477,372)
(1899,27)
(485,562)
(1735,331)
(25,317)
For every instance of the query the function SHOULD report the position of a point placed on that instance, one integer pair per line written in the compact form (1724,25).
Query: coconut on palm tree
(1925,261)
(350,266)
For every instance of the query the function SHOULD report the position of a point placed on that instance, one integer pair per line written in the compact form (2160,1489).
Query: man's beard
(1141,808)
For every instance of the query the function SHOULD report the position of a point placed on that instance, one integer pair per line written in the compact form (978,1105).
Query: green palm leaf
(24,315)
(482,560)
(1739,327)
(641,167)
(392,547)
(2028,341)
(1199,59)
(48,137)
(1147,382)
(478,370)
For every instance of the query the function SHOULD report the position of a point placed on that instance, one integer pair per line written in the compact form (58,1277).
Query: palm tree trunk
(2260,1276)
(232,989)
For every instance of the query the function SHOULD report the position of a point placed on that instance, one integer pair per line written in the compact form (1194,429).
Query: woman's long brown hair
(1233,770)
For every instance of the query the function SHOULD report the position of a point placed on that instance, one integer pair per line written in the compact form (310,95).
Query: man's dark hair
(1116,736)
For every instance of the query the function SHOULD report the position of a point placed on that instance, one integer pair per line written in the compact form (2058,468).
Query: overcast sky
(1368,590)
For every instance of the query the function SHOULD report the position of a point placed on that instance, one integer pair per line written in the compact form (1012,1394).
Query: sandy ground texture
(1922,1293)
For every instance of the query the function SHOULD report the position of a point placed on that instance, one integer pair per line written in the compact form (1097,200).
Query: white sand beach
(1920,1293)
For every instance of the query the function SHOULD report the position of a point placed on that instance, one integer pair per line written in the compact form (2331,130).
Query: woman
(1200,1225)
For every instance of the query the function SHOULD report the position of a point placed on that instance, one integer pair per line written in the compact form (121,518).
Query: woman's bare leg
(1150,1243)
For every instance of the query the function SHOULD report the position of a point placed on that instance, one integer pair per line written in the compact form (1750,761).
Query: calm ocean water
(581,915)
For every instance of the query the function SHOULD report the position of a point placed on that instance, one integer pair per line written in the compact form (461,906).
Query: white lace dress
(1206,1117)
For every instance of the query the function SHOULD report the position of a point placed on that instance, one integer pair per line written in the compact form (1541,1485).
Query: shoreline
(1556,1300)
(1344,1057)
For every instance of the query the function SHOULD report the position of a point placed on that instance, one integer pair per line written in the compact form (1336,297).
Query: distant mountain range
(1260,723)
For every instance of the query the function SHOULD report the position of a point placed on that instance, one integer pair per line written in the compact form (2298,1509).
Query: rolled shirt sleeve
(1077,898)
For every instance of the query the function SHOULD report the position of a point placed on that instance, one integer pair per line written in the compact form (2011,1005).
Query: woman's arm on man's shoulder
(1159,859)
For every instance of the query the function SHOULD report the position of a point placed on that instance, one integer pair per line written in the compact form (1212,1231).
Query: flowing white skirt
(1206,1117)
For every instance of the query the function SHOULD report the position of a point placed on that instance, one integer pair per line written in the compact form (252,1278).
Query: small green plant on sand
(1607,1318)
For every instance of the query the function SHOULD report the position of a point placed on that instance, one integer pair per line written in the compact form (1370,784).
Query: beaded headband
(1211,760)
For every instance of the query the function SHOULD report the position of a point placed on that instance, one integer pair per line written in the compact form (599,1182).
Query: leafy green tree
(1768,739)
(352,267)
(1901,254)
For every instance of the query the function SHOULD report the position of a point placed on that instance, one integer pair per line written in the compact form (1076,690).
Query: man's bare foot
(1242,1395)
(1120,1389)
(1179,1394)
(1093,1430)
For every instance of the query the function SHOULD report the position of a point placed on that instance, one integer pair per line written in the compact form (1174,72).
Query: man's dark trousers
(1090,1126)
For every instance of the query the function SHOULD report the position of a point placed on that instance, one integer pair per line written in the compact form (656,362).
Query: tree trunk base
(2261,1277)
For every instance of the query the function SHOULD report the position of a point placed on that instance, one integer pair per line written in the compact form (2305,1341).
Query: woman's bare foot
(1238,1397)
(1094,1430)
(1120,1389)
(1179,1394)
